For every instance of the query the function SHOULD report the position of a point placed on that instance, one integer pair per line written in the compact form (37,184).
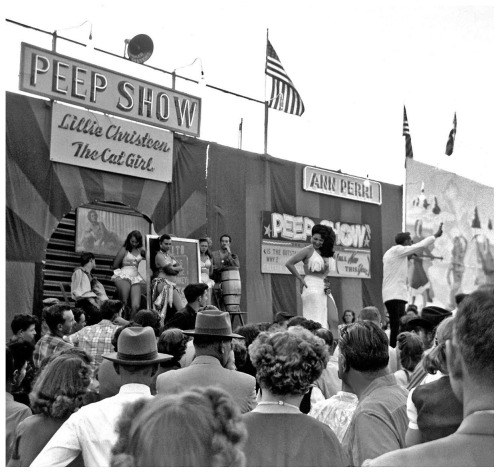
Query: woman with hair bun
(410,349)
(59,390)
(201,427)
(317,301)
(165,292)
(287,363)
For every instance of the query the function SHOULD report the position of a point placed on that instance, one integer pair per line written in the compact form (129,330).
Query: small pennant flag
(284,96)
(451,138)
(406,134)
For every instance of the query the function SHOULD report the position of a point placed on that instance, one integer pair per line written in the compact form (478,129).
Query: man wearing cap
(395,281)
(91,430)
(212,343)
(470,363)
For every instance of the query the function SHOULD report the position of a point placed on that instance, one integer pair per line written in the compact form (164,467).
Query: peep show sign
(105,143)
(285,235)
(68,80)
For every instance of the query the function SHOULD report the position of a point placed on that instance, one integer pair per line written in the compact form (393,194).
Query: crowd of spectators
(146,392)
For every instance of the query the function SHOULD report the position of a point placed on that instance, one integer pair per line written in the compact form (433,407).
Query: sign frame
(341,185)
(99,75)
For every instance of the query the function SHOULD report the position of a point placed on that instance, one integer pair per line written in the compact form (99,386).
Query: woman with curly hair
(59,390)
(287,363)
(317,301)
(200,427)
(433,409)
(410,349)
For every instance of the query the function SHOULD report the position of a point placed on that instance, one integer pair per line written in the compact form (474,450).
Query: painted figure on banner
(420,284)
(486,260)
(165,293)
(456,269)
(318,303)
(96,235)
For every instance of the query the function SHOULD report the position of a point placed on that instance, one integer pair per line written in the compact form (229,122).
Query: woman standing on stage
(207,266)
(165,292)
(126,274)
(317,301)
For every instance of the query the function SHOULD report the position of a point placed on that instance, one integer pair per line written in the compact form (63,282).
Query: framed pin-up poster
(103,232)
(185,251)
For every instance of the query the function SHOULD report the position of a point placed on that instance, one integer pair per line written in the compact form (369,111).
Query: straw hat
(137,346)
(213,323)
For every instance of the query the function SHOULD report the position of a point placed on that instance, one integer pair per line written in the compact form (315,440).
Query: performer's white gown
(314,299)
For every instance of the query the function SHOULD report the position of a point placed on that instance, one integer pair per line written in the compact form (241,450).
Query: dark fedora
(430,318)
(137,346)
(212,323)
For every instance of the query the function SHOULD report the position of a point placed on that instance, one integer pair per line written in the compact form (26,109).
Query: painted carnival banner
(284,235)
(105,143)
(341,185)
(69,80)
(463,257)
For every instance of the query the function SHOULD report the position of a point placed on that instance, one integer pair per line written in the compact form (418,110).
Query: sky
(355,65)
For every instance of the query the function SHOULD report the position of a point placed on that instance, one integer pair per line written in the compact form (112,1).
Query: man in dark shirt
(197,297)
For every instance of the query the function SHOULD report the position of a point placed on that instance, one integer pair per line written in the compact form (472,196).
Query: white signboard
(105,143)
(341,185)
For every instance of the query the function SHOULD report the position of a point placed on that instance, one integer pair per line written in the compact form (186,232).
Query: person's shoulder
(248,378)
(435,453)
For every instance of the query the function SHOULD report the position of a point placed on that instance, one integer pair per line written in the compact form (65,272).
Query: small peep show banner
(284,235)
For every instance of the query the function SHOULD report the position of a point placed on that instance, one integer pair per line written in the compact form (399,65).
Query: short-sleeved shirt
(379,422)
(95,340)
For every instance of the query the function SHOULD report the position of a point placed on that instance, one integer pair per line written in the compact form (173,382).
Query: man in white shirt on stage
(395,282)
(91,430)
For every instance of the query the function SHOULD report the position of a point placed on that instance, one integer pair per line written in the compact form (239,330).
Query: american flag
(451,139)
(284,96)
(406,134)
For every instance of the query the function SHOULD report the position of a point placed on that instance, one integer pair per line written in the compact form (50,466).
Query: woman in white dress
(207,266)
(126,274)
(317,301)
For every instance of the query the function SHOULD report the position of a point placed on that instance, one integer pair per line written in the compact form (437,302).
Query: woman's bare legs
(123,287)
(135,299)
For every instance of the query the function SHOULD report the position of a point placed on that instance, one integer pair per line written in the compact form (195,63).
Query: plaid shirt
(95,340)
(46,346)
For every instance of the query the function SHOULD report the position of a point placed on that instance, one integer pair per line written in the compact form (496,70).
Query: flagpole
(240,135)
(266,105)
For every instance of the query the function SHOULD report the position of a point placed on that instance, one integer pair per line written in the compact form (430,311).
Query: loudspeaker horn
(139,48)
